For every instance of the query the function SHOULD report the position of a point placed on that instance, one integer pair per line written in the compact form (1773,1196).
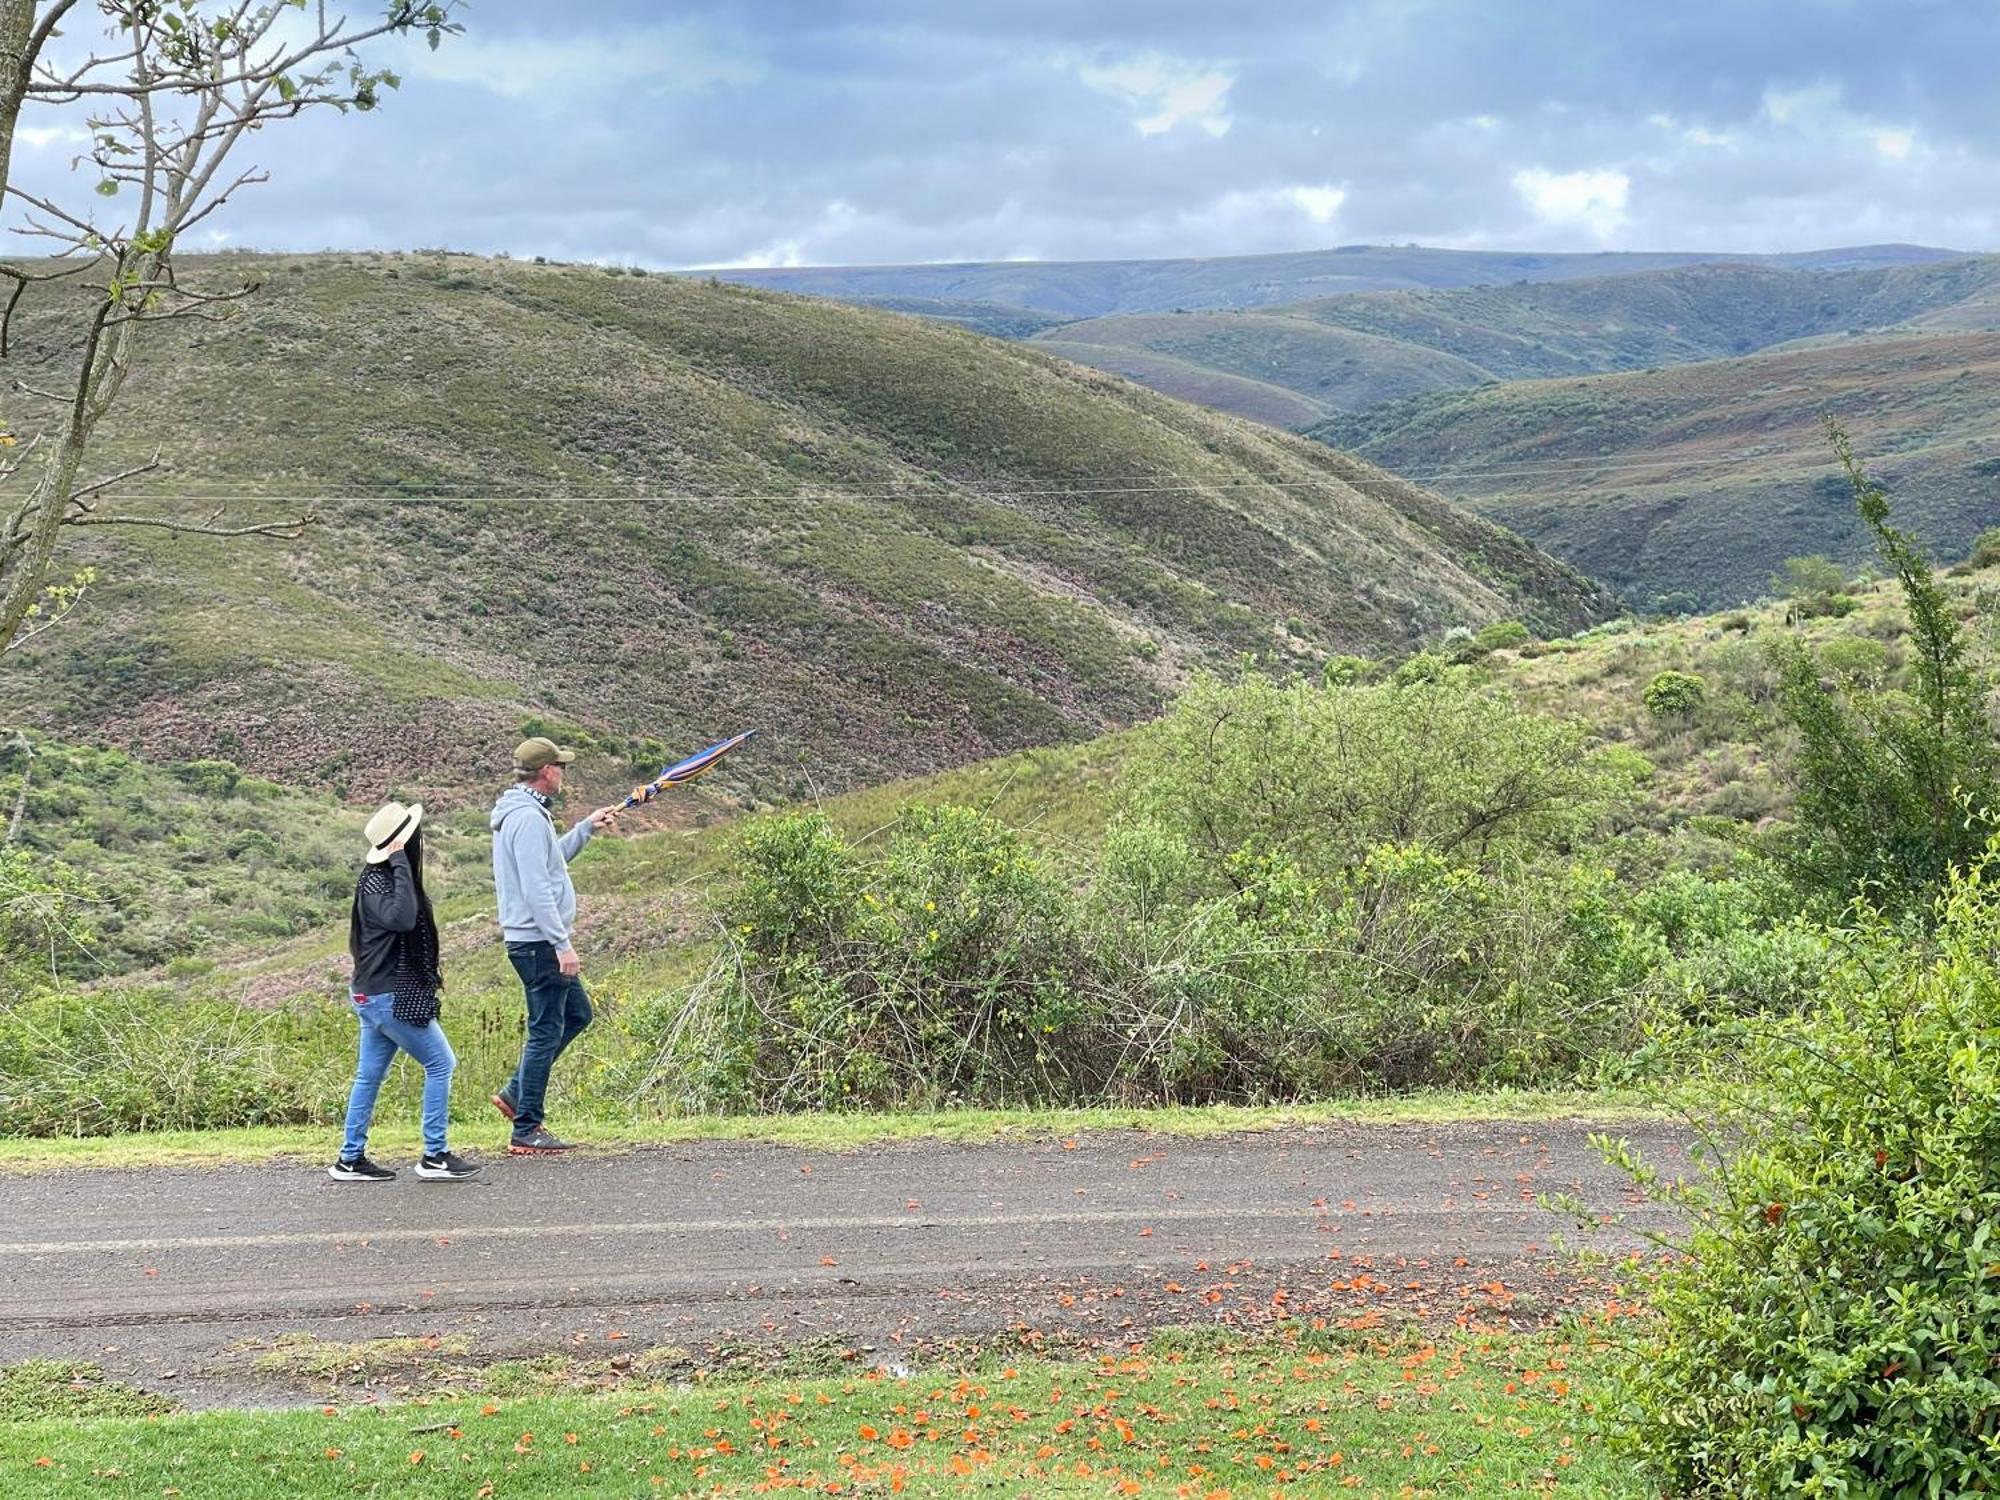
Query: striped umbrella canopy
(691,769)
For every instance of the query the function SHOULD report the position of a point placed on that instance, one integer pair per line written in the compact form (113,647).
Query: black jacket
(392,938)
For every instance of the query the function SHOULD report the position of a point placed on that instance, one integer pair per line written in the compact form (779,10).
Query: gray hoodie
(531,869)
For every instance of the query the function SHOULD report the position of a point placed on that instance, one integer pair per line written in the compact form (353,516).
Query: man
(537,913)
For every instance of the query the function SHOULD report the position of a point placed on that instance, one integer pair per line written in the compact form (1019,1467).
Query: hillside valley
(1687,486)
(1295,363)
(651,511)
(1086,289)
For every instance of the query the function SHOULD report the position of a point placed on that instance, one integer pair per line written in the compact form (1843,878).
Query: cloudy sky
(675,133)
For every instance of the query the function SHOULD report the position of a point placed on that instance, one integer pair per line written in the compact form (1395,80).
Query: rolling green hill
(1089,289)
(1692,483)
(656,510)
(1343,354)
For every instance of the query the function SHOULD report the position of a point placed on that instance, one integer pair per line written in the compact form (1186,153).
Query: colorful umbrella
(694,766)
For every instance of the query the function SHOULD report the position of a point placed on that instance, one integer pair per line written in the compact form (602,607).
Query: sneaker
(361,1169)
(535,1143)
(448,1166)
(504,1102)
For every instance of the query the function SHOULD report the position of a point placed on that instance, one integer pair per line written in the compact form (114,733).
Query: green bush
(1810,577)
(1502,635)
(1675,695)
(1260,772)
(214,778)
(1893,789)
(1855,656)
(46,919)
(1986,548)
(1834,1327)
(934,973)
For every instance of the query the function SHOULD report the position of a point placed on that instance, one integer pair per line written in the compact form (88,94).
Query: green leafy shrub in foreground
(1835,1327)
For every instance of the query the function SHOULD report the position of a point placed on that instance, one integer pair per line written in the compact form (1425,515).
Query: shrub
(1501,635)
(1855,656)
(937,972)
(1892,789)
(1831,1329)
(1257,772)
(1675,695)
(1810,577)
(215,778)
(46,912)
(1986,548)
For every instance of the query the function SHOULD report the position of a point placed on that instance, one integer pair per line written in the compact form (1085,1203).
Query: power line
(942,487)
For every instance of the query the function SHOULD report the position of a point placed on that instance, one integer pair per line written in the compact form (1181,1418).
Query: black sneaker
(447,1167)
(536,1143)
(361,1169)
(504,1102)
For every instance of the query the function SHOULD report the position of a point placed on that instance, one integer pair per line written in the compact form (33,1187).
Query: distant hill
(656,510)
(1343,354)
(1692,483)
(1091,289)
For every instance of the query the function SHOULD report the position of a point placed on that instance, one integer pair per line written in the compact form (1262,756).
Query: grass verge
(392,1137)
(1300,1412)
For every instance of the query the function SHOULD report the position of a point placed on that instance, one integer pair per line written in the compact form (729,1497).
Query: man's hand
(568,964)
(604,817)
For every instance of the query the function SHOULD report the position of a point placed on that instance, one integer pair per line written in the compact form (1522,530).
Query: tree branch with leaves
(168,100)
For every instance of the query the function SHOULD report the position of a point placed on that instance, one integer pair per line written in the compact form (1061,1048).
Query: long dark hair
(420,947)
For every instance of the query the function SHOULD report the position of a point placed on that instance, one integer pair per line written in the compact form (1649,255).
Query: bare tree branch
(172,96)
(285,530)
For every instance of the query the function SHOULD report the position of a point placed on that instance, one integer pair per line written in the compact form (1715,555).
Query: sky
(685,133)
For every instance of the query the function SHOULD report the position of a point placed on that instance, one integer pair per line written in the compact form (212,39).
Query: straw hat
(391,825)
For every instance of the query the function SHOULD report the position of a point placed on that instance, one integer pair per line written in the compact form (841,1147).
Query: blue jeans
(381,1035)
(558,1010)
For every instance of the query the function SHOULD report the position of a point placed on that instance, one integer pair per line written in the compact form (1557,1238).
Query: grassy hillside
(647,926)
(1696,481)
(1089,289)
(654,511)
(1343,354)
(1323,368)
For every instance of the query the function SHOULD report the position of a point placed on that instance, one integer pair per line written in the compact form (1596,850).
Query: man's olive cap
(532,755)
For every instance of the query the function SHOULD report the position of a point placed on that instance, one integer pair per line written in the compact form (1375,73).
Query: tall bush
(1891,786)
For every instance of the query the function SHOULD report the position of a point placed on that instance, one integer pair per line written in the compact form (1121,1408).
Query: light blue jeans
(381,1036)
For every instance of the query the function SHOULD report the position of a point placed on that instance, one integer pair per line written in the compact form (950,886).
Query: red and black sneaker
(538,1142)
(505,1104)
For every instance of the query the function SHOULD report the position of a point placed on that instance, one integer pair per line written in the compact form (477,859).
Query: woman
(393,938)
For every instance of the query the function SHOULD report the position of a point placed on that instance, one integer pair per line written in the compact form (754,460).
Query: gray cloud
(825,131)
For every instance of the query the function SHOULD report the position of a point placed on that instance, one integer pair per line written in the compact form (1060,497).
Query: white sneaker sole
(339,1176)
(441,1174)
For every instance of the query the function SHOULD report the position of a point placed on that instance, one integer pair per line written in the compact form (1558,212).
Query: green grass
(1301,1412)
(43,1389)
(396,1135)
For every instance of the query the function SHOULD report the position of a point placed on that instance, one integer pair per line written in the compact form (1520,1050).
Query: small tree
(1986,549)
(1810,577)
(176,88)
(1884,780)
(1675,695)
